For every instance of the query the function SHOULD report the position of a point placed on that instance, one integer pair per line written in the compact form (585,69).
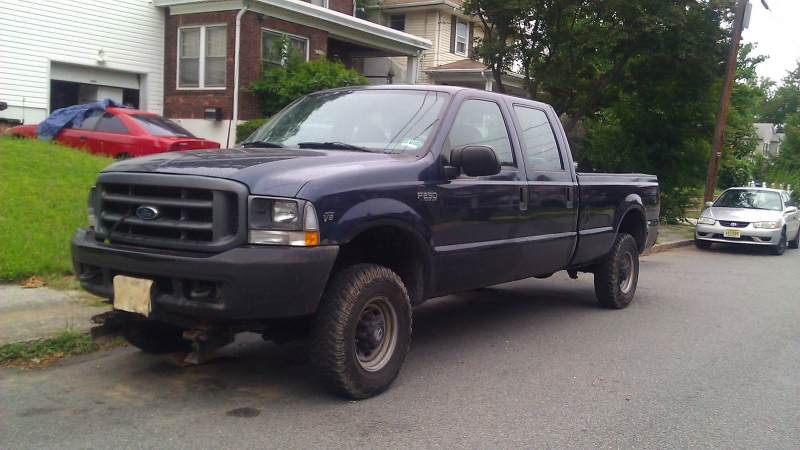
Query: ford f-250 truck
(344,211)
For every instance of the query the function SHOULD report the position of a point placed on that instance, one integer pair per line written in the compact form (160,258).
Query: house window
(201,57)
(397,22)
(461,38)
(322,3)
(276,47)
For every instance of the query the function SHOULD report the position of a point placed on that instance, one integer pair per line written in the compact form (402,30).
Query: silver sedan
(754,216)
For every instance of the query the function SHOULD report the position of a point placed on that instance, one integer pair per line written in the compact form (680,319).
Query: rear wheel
(778,250)
(361,331)
(156,337)
(795,243)
(617,275)
(701,244)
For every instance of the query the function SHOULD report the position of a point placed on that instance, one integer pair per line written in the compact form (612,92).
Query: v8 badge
(327,217)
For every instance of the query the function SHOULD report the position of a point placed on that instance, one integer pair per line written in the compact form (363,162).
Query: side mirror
(476,160)
(709,204)
(791,209)
(3,106)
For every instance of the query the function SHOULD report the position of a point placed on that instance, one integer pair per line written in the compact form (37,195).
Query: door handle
(83,138)
(523,198)
(570,199)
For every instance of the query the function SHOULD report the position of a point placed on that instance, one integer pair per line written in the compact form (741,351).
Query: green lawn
(43,191)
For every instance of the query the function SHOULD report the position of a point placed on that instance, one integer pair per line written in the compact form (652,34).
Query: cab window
(540,142)
(480,122)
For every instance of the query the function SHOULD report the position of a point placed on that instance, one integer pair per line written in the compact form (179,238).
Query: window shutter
(453,23)
(470,39)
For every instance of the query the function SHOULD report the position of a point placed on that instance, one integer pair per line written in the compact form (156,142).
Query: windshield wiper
(332,145)
(264,144)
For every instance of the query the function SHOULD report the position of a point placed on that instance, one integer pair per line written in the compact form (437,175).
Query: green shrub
(245,129)
(280,86)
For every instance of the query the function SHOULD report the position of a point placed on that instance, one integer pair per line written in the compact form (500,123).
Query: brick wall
(189,103)
(343,6)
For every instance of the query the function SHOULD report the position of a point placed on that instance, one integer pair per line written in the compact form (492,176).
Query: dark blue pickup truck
(344,211)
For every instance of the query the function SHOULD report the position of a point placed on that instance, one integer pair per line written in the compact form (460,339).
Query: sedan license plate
(733,234)
(132,294)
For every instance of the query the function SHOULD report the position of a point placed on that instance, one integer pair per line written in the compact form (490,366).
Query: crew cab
(343,212)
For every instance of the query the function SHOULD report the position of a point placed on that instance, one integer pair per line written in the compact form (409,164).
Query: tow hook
(206,343)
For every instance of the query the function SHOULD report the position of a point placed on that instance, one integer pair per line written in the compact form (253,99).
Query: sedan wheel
(795,243)
(781,247)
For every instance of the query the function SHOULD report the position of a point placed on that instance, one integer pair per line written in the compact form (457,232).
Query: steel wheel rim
(377,318)
(626,271)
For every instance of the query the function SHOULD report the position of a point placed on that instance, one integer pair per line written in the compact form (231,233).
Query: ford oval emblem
(147,212)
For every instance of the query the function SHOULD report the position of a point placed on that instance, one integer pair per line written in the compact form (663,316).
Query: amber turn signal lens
(312,238)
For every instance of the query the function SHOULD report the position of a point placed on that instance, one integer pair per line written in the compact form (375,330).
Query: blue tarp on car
(72,115)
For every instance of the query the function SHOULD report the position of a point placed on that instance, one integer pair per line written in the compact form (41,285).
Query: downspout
(489,82)
(235,115)
(438,36)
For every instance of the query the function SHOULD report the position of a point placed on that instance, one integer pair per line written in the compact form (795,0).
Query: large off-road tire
(616,276)
(361,331)
(795,243)
(156,337)
(778,250)
(701,244)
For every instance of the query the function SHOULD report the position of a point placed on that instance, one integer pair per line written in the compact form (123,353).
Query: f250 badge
(427,196)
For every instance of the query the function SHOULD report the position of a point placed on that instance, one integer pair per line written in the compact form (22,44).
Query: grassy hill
(43,192)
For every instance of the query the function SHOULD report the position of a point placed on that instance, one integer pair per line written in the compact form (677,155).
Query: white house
(769,140)
(61,53)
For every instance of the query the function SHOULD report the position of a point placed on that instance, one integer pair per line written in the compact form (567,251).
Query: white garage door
(91,75)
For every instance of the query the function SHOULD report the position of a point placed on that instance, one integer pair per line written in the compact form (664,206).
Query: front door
(79,136)
(479,216)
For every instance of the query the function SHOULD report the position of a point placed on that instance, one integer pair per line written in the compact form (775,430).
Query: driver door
(476,226)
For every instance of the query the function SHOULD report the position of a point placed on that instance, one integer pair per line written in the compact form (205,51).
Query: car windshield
(388,121)
(159,126)
(752,199)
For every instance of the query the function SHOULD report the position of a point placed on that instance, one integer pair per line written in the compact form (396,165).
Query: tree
(739,146)
(784,101)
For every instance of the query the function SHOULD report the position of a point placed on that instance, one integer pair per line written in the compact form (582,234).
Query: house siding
(424,24)
(36,33)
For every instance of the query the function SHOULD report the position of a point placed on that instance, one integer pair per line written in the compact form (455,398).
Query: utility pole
(724,101)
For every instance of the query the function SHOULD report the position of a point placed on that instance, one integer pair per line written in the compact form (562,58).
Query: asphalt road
(707,356)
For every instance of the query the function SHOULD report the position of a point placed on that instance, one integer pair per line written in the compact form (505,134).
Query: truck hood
(280,172)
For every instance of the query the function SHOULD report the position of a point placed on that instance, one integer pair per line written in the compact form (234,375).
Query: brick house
(214,49)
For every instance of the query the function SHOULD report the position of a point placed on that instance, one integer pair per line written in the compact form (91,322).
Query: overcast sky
(777,35)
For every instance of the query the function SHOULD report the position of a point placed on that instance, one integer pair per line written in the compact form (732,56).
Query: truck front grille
(167,211)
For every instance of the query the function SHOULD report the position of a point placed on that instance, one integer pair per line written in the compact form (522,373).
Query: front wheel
(778,250)
(617,275)
(361,331)
(795,243)
(701,244)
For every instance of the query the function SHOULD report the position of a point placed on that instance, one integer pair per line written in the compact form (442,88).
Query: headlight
(770,225)
(279,222)
(706,221)
(90,207)
(284,213)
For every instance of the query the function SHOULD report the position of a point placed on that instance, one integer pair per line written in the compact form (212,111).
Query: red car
(123,133)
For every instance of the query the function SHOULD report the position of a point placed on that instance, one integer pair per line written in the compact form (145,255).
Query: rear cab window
(541,147)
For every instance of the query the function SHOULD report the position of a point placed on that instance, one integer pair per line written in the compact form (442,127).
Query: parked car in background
(123,133)
(754,216)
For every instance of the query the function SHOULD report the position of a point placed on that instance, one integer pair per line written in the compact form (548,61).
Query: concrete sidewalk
(32,314)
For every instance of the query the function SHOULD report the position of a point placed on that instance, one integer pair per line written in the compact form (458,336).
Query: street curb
(668,246)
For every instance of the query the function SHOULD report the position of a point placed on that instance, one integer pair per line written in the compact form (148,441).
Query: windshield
(159,126)
(741,198)
(388,121)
